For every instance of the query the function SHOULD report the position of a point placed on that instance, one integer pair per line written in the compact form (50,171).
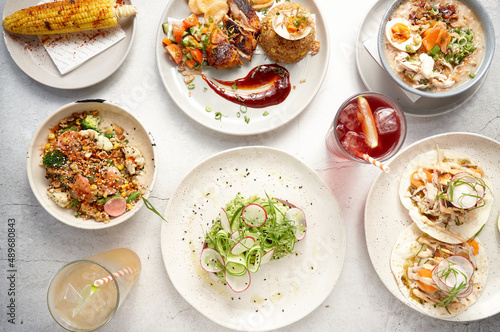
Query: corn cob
(67,16)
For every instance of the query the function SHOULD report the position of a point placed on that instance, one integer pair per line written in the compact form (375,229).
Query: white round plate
(311,70)
(386,218)
(282,291)
(111,114)
(30,55)
(377,79)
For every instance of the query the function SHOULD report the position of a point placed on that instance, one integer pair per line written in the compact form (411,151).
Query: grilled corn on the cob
(67,16)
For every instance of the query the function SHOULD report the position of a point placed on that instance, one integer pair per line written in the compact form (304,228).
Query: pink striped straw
(375,162)
(117,274)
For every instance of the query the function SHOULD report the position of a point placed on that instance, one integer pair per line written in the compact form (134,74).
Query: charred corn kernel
(78,122)
(129,206)
(85,148)
(67,16)
(47,146)
(73,166)
(116,145)
(120,166)
(124,194)
(52,136)
(93,187)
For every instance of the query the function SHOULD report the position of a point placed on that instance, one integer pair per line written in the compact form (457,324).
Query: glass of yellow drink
(85,294)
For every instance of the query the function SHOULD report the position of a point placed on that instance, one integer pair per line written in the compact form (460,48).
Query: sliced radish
(116,206)
(465,190)
(254,215)
(253,259)
(452,272)
(243,245)
(211,260)
(267,256)
(298,219)
(224,220)
(238,283)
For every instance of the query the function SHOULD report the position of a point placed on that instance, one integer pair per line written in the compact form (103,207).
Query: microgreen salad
(250,232)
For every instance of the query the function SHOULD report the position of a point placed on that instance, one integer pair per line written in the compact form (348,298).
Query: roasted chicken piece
(242,11)
(220,52)
(243,39)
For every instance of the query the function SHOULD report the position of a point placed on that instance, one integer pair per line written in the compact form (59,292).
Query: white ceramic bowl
(489,38)
(111,113)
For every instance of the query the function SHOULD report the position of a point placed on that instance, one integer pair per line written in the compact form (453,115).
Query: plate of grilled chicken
(79,48)
(218,63)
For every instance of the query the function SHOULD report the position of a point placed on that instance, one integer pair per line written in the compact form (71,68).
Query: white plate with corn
(23,27)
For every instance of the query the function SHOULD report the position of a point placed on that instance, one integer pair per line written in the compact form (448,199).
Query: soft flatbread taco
(440,279)
(447,194)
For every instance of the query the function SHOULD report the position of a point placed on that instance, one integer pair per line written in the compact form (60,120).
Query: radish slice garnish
(267,256)
(298,219)
(238,283)
(452,273)
(253,259)
(254,215)
(116,206)
(465,191)
(211,260)
(242,245)
(224,220)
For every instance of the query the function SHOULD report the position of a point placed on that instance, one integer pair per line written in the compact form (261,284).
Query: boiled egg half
(293,24)
(400,35)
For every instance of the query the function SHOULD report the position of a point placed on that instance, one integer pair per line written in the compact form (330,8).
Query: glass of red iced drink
(367,123)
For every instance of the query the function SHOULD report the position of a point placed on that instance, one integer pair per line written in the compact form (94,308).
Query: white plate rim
(241,128)
(377,233)
(73,79)
(341,234)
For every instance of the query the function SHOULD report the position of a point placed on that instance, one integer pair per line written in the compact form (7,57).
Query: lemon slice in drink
(85,294)
(368,123)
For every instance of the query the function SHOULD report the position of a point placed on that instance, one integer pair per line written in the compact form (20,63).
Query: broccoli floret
(91,122)
(54,159)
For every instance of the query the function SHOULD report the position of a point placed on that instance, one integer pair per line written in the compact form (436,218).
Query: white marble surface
(359,301)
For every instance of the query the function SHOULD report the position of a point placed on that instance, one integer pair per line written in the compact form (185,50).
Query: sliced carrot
(368,123)
(204,30)
(190,63)
(166,41)
(431,39)
(426,273)
(417,183)
(474,245)
(425,287)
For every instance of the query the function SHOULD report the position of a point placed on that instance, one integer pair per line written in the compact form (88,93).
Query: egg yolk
(400,33)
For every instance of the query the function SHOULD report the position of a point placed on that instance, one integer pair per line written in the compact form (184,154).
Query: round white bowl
(111,113)
(489,38)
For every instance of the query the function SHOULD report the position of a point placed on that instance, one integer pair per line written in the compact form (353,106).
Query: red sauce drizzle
(265,85)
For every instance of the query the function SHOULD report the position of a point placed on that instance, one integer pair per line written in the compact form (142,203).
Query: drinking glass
(85,294)
(345,138)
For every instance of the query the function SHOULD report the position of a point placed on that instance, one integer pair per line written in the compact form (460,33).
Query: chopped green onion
(266,113)
(151,208)
(208,109)
(472,75)
(191,86)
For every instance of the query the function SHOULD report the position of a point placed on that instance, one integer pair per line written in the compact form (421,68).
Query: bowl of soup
(436,48)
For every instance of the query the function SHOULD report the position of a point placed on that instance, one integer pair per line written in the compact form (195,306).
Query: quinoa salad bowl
(436,48)
(91,163)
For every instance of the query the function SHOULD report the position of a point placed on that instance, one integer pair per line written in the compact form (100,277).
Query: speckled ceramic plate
(310,71)
(282,291)
(386,218)
(30,55)
(111,114)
